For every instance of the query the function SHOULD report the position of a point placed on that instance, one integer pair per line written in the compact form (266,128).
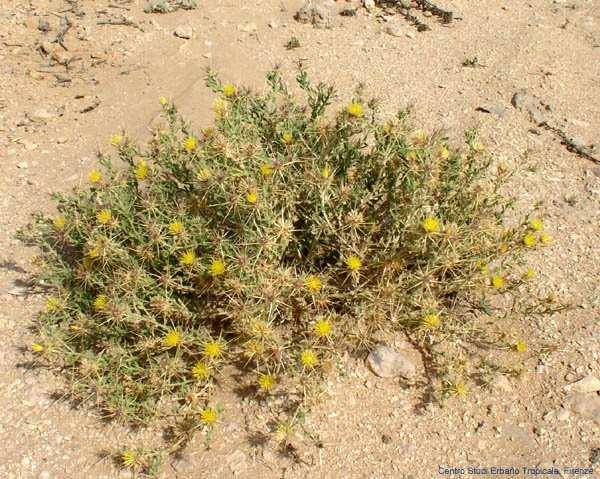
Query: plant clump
(270,243)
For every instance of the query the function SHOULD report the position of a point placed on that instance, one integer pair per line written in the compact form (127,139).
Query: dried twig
(120,21)
(91,107)
(65,26)
(574,146)
(421,27)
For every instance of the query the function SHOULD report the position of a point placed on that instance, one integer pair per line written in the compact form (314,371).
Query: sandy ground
(368,427)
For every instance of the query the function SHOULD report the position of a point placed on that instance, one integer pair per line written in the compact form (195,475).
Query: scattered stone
(562,415)
(496,110)
(369,4)
(41,115)
(501,383)
(532,105)
(589,384)
(393,29)
(595,455)
(386,362)
(22,165)
(43,25)
(386,439)
(348,12)
(315,14)
(184,31)
(587,405)
(272,24)
(410,35)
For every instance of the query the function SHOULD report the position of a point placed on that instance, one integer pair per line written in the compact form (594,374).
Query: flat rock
(588,384)
(41,115)
(184,31)
(586,405)
(495,109)
(394,29)
(524,101)
(386,362)
(314,13)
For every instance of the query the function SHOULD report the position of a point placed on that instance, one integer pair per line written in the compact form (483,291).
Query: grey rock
(524,101)
(586,405)
(184,31)
(563,415)
(315,14)
(386,362)
(41,115)
(588,384)
(496,110)
(369,4)
(394,29)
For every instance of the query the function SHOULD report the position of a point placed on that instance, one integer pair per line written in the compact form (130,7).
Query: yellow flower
(208,416)
(419,136)
(59,223)
(93,253)
(129,458)
(326,173)
(529,240)
(498,282)
(163,100)
(52,304)
(323,328)
(309,358)
(355,109)
(213,349)
(430,225)
(95,176)
(266,381)
(220,107)
(266,169)
(432,321)
(530,273)
(354,263)
(172,338)
(478,146)
(176,227)
(187,258)
(37,347)
(545,238)
(443,153)
(141,170)
(116,140)
(104,216)
(521,346)
(100,302)
(503,248)
(287,137)
(536,224)
(251,197)
(217,268)
(229,90)
(312,282)
(411,155)
(203,174)
(201,371)
(190,144)
(461,390)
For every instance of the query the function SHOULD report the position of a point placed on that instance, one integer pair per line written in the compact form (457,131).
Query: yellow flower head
(309,358)
(443,153)
(354,263)
(217,268)
(220,107)
(355,109)
(419,136)
(536,224)
(287,137)
(326,173)
(229,90)
(37,347)
(52,304)
(104,217)
(116,140)
(172,338)
(204,174)
(266,381)
(187,258)
(176,227)
(545,238)
(498,281)
(100,302)
(208,416)
(323,328)
(430,225)
(312,283)
(530,273)
(266,169)
(251,197)
(521,346)
(141,170)
(163,100)
(529,240)
(95,176)
(460,390)
(59,223)
(213,349)
(503,248)
(478,146)
(129,458)
(201,371)
(432,321)
(190,144)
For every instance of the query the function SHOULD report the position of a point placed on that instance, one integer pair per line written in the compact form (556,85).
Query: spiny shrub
(270,243)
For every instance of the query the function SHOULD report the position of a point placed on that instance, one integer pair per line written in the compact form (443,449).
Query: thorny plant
(270,243)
